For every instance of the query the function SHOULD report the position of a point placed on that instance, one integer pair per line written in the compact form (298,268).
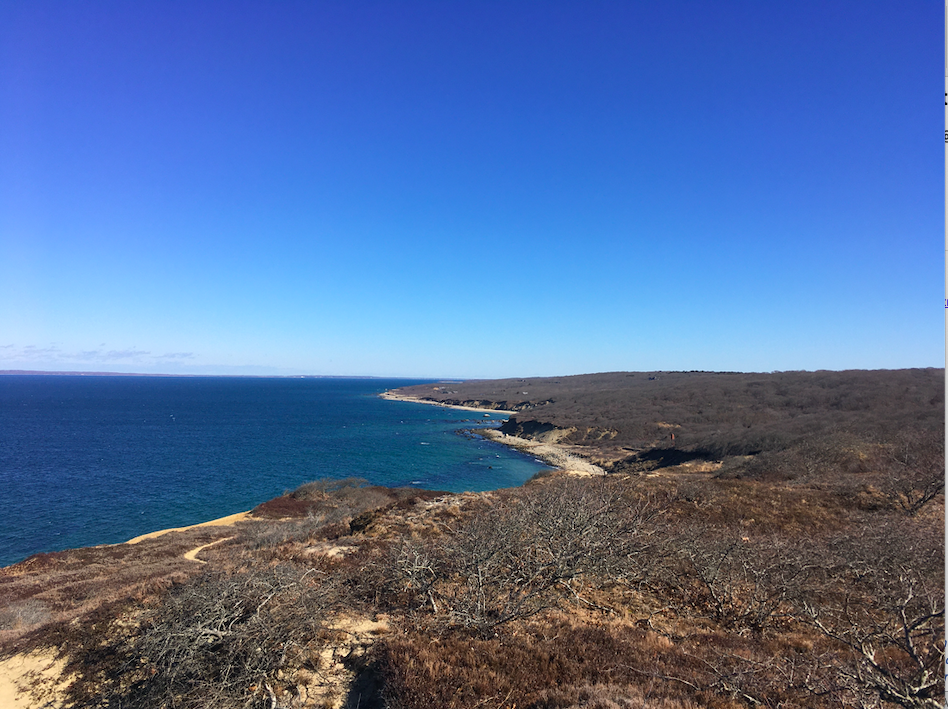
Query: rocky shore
(560,457)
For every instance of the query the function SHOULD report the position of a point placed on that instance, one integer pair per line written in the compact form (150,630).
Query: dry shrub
(328,499)
(346,497)
(49,589)
(522,554)
(26,614)
(756,508)
(284,539)
(221,641)
(606,696)
(347,501)
(320,490)
(913,466)
(881,601)
(284,507)
(742,583)
(556,664)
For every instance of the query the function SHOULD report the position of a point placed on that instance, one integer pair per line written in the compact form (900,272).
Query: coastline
(219,522)
(520,444)
(554,454)
(560,457)
(415,400)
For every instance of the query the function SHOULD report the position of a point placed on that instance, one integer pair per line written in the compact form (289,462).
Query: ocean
(88,460)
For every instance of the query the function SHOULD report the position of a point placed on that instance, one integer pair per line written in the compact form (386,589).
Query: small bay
(88,460)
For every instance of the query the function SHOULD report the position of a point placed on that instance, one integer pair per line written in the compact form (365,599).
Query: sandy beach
(220,522)
(415,400)
(557,456)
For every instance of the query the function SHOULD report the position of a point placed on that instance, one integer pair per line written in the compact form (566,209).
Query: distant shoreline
(391,396)
(32,372)
(553,459)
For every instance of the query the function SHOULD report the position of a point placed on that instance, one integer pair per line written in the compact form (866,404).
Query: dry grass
(60,586)
(680,590)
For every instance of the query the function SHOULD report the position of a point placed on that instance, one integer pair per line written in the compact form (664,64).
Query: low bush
(221,641)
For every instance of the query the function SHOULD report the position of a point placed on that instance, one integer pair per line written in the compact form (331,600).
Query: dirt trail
(338,679)
(192,555)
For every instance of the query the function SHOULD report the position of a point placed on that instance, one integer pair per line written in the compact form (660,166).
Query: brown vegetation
(711,414)
(807,575)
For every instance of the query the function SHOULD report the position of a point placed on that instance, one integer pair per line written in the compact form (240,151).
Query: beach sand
(398,397)
(221,522)
(556,455)
(32,681)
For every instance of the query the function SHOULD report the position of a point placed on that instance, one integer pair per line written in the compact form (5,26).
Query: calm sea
(97,460)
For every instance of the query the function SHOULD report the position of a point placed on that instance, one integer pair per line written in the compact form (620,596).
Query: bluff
(622,417)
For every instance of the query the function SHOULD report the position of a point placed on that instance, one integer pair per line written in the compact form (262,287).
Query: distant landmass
(627,418)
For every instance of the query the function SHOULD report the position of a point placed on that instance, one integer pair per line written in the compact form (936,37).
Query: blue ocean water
(90,460)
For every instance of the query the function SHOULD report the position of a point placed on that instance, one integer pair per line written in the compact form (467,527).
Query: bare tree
(527,552)
(220,641)
(914,468)
(882,602)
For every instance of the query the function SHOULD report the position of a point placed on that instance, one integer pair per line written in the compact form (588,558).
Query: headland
(754,542)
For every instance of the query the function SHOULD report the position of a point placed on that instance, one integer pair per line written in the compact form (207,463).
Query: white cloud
(55,358)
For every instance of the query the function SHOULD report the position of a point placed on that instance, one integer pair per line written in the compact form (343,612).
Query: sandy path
(221,522)
(192,555)
(35,681)
(40,672)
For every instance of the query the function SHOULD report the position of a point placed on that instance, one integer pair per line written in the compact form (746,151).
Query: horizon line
(90,373)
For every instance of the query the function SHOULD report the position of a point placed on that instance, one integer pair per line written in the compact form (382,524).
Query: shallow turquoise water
(94,460)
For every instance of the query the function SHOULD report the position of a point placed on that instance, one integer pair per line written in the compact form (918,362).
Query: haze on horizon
(470,189)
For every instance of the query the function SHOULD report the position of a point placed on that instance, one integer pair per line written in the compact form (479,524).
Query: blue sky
(470,189)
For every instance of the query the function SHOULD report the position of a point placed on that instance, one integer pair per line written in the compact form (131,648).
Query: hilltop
(785,548)
(625,419)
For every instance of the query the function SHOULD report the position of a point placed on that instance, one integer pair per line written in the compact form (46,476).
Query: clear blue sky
(471,189)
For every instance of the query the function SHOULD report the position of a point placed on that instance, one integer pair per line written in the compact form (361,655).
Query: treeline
(717,414)
(871,433)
